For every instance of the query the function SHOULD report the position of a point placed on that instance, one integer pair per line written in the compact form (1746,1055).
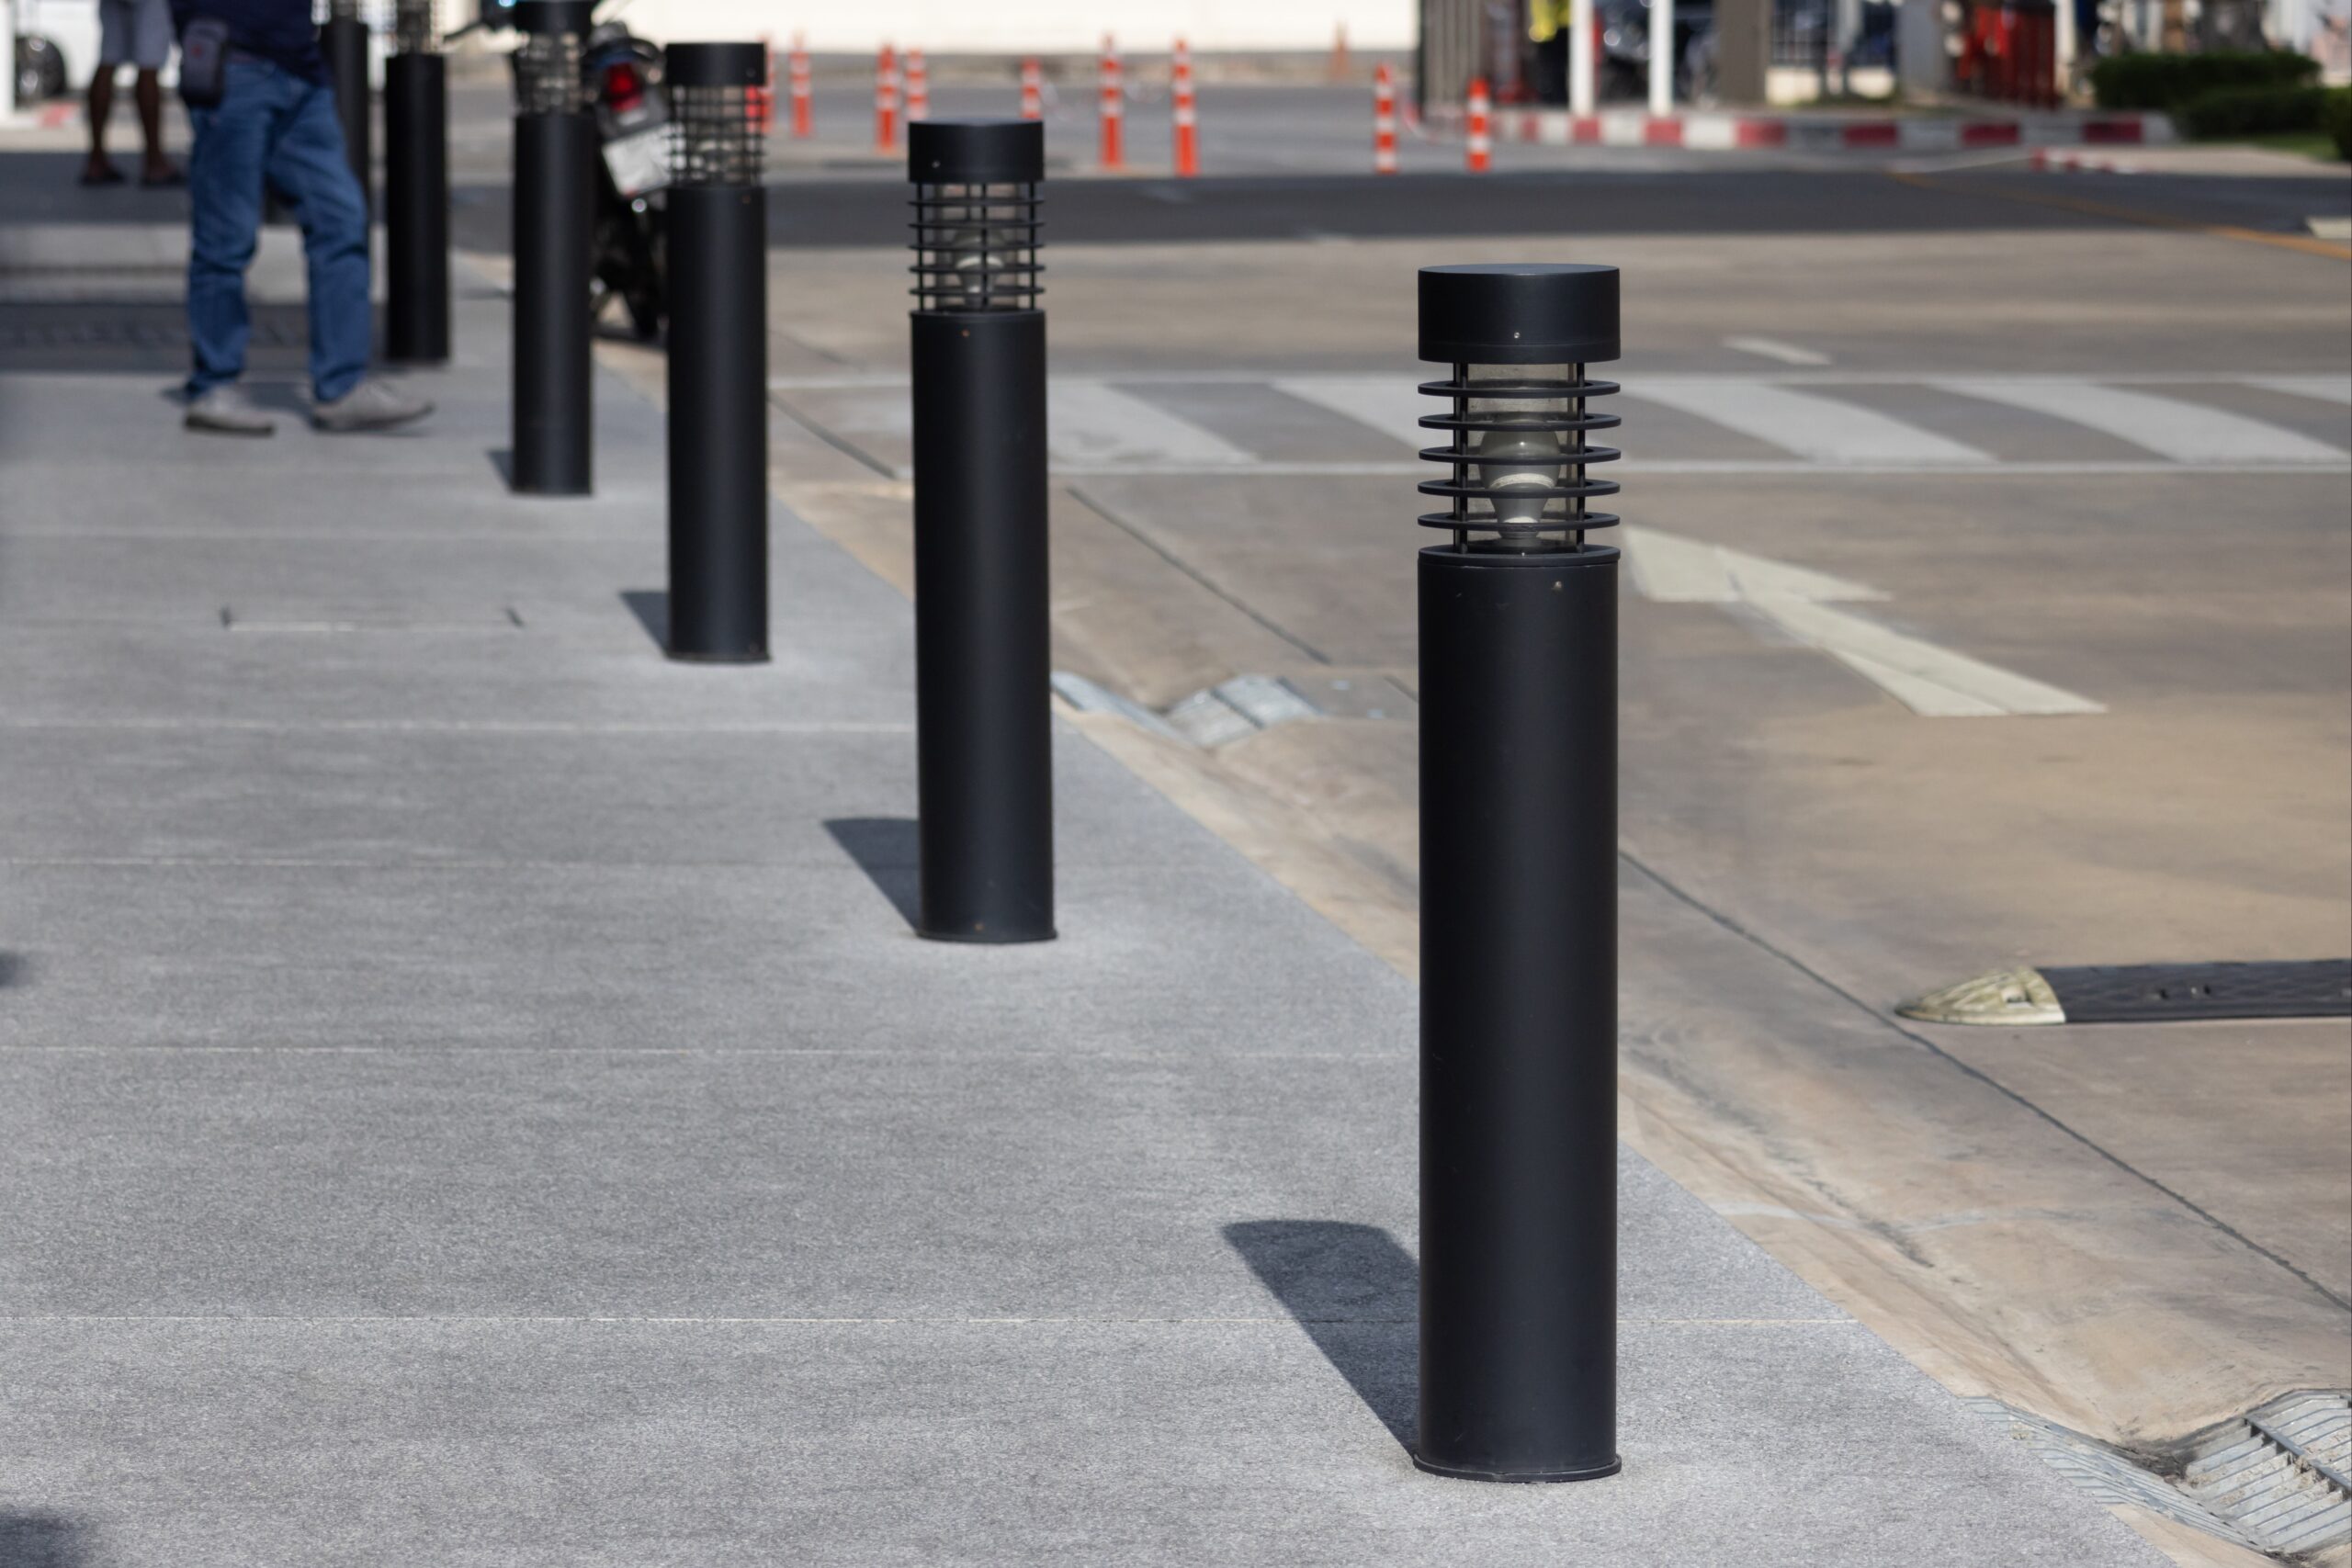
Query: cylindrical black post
(984,733)
(1518,887)
(555,217)
(343,39)
(719,356)
(416,190)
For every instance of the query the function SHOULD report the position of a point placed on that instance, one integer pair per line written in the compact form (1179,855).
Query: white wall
(1014,26)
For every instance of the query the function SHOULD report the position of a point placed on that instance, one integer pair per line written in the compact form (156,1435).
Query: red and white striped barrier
(885,100)
(2045,162)
(1179,97)
(917,87)
(1113,110)
(1383,122)
(804,109)
(1033,91)
(1479,148)
(1720,132)
(759,103)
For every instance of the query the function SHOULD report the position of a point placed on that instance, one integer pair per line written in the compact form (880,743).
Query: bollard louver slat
(417,188)
(555,215)
(1519,887)
(718,362)
(984,738)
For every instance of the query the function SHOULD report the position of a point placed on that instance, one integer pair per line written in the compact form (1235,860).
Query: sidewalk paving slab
(460,1103)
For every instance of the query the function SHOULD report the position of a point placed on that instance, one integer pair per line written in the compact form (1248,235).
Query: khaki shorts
(135,32)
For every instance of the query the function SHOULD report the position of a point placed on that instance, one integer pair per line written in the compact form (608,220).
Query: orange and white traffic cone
(804,112)
(1033,91)
(1384,122)
(1481,148)
(918,88)
(886,101)
(1188,149)
(1113,110)
(759,103)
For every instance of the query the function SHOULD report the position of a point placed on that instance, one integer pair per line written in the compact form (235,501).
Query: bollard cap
(555,16)
(976,151)
(1518,313)
(715,65)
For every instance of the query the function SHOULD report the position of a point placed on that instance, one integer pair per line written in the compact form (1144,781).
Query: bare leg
(149,93)
(101,107)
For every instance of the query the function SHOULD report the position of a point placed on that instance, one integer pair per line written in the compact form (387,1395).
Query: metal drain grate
(2272,1481)
(2279,1473)
(2142,993)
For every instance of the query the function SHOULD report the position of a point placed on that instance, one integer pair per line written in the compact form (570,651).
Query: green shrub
(2253,111)
(2167,82)
(2337,118)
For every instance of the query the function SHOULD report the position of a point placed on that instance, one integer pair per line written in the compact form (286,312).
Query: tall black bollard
(416,189)
(1519,887)
(555,217)
(984,733)
(343,39)
(719,356)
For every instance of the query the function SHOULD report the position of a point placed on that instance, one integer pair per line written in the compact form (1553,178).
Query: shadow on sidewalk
(1355,1291)
(889,850)
(42,1540)
(649,606)
(14,971)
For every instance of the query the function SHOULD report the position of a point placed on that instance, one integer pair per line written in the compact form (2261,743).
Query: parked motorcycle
(622,75)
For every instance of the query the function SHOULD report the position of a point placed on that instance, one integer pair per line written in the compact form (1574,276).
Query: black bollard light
(555,208)
(984,736)
(416,189)
(343,39)
(718,356)
(1518,887)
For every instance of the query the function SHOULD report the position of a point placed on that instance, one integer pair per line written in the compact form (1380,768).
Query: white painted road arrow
(1931,680)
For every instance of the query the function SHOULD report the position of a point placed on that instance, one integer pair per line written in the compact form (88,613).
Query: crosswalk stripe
(2186,433)
(1088,423)
(1671,570)
(1823,429)
(1387,403)
(2326,389)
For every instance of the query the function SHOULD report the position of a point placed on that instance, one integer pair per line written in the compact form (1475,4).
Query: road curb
(1726,132)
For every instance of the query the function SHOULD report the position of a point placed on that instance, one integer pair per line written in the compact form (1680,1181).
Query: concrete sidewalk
(470,1095)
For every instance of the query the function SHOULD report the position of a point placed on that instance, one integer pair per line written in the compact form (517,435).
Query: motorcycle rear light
(624,88)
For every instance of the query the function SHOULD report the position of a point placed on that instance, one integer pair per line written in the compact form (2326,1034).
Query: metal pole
(719,356)
(555,205)
(416,191)
(1519,889)
(1582,93)
(1661,59)
(343,39)
(984,737)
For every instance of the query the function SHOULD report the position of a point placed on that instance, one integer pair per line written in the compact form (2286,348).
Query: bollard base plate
(759,658)
(1594,1472)
(986,939)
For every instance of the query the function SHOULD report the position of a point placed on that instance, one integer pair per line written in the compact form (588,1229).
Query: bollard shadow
(38,1539)
(889,850)
(502,461)
(15,970)
(1356,1293)
(652,608)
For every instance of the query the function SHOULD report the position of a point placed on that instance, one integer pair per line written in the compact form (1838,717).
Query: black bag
(204,63)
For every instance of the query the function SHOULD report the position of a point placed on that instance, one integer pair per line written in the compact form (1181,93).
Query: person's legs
(306,163)
(224,204)
(151,50)
(114,49)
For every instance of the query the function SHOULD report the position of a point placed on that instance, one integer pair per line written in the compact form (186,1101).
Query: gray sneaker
(371,405)
(220,411)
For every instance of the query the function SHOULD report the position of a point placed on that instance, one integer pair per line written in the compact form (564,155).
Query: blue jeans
(273,123)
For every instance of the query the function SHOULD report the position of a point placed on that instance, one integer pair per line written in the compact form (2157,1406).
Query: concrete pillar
(1919,56)
(1743,51)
